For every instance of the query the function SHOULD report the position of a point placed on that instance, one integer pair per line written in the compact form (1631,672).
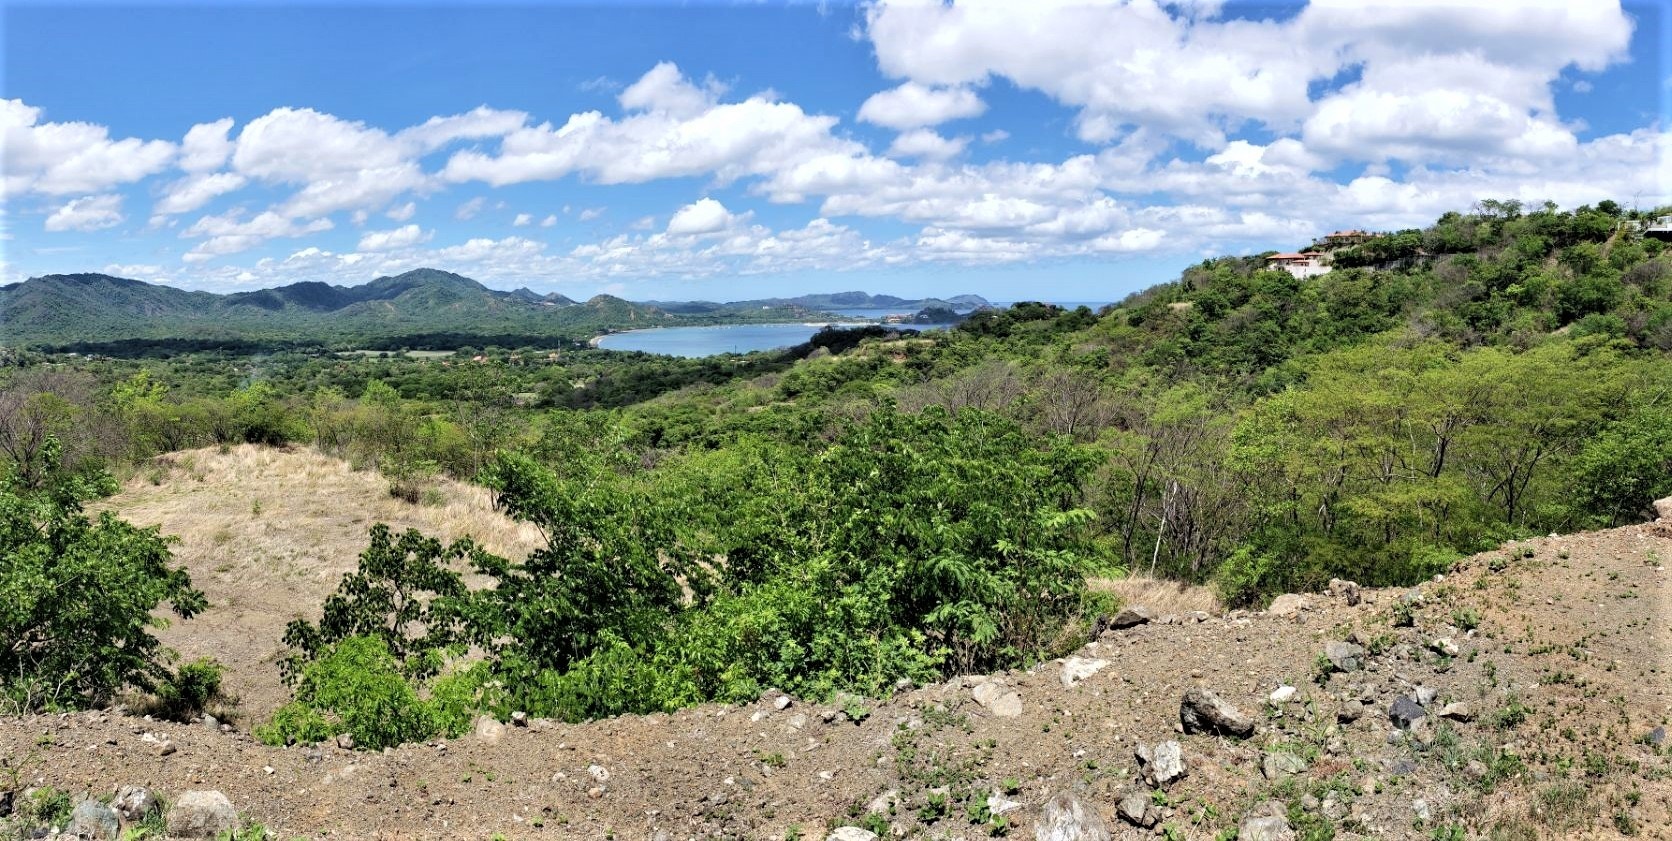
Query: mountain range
(91,309)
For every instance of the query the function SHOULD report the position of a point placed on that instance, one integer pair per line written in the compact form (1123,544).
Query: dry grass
(1160,596)
(267,533)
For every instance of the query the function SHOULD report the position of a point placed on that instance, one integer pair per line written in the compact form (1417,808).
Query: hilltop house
(1302,265)
(1346,239)
(1659,229)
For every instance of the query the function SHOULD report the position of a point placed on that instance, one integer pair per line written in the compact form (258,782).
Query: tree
(76,596)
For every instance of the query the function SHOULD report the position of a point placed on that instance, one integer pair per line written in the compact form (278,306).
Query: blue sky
(1077,151)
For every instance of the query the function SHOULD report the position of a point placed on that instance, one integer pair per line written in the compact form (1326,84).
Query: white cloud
(403,212)
(478,124)
(522,220)
(925,143)
(194,191)
(206,146)
(469,209)
(675,129)
(549,221)
(704,216)
(997,135)
(912,105)
(591,213)
(405,236)
(230,233)
(58,159)
(89,213)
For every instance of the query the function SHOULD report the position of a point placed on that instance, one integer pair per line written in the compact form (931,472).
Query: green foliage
(76,596)
(403,593)
(354,686)
(185,694)
(1627,465)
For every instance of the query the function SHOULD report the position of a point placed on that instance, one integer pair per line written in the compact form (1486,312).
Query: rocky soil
(1525,695)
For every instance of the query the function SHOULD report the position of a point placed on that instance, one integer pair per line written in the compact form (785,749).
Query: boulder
(1345,590)
(1076,669)
(1445,645)
(1068,818)
(999,699)
(1134,615)
(201,814)
(1663,508)
(1282,694)
(1344,656)
(1278,764)
(134,803)
(1405,711)
(1135,809)
(851,833)
(1427,695)
(488,730)
(1458,711)
(345,741)
(1287,605)
(1162,762)
(1202,711)
(95,820)
(1269,822)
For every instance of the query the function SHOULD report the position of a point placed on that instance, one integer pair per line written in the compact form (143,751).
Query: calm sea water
(708,341)
(739,338)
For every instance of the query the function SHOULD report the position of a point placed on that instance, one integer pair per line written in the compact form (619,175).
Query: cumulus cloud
(402,212)
(925,143)
(405,236)
(674,129)
(912,105)
(522,220)
(230,233)
(89,213)
(549,221)
(704,216)
(57,159)
(206,146)
(190,193)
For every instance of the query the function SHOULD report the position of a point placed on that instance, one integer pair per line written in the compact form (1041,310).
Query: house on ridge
(1346,239)
(1302,265)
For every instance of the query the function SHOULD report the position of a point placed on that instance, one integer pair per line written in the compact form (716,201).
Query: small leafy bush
(186,693)
(354,687)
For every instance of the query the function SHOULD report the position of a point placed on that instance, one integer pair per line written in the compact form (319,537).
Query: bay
(708,341)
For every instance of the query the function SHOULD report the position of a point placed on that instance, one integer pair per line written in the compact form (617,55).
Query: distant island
(420,309)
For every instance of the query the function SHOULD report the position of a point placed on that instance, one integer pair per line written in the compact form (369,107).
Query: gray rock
(488,731)
(999,699)
(519,719)
(1427,695)
(1162,762)
(1068,818)
(1445,645)
(882,803)
(1267,823)
(1350,712)
(92,819)
(1458,711)
(1657,736)
(1202,711)
(1278,764)
(1344,656)
(1402,767)
(133,803)
(1130,617)
(1135,809)
(1334,809)
(851,833)
(1405,711)
(345,741)
(998,804)
(1076,669)
(1282,694)
(1287,605)
(1421,810)
(781,703)
(201,814)
(1345,590)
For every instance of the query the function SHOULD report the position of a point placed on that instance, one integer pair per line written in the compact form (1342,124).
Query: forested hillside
(876,506)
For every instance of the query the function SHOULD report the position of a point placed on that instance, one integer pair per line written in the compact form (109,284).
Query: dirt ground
(1560,648)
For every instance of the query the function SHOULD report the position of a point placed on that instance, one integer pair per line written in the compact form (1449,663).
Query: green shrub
(185,694)
(77,595)
(354,687)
